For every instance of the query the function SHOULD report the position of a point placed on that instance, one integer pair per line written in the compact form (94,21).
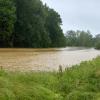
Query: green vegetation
(7,20)
(82,38)
(97,46)
(81,82)
(29,23)
(79,38)
(97,41)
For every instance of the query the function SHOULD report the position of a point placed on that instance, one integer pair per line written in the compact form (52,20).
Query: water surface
(44,59)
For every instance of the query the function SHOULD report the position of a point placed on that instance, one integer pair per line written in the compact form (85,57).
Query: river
(44,59)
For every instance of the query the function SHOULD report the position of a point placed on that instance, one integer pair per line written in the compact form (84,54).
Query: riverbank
(81,82)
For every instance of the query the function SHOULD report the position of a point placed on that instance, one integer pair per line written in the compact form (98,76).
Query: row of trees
(82,38)
(29,23)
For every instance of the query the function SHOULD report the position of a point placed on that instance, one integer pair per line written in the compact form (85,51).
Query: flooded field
(44,59)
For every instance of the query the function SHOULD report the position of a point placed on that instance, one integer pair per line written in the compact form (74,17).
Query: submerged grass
(81,82)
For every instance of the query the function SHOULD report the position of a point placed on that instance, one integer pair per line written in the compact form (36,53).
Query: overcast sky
(78,14)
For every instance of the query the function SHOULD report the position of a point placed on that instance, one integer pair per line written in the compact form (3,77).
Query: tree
(97,41)
(29,23)
(71,38)
(53,22)
(79,38)
(85,39)
(7,20)
(29,28)
(97,38)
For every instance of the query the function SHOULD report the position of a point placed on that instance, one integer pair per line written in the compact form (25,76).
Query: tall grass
(81,82)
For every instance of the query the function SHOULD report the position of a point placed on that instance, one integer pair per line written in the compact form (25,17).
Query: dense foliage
(79,38)
(97,41)
(82,38)
(81,82)
(29,23)
(7,20)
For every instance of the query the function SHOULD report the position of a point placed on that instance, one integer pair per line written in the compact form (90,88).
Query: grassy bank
(81,82)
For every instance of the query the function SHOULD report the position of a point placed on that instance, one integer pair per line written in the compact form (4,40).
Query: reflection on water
(44,59)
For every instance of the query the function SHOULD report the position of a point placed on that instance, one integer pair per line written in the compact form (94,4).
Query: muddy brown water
(44,59)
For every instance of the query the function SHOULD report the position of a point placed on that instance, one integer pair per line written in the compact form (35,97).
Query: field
(81,82)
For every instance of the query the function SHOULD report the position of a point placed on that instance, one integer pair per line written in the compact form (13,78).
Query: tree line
(29,23)
(82,38)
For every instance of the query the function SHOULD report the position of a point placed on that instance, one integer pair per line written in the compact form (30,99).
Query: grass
(81,82)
